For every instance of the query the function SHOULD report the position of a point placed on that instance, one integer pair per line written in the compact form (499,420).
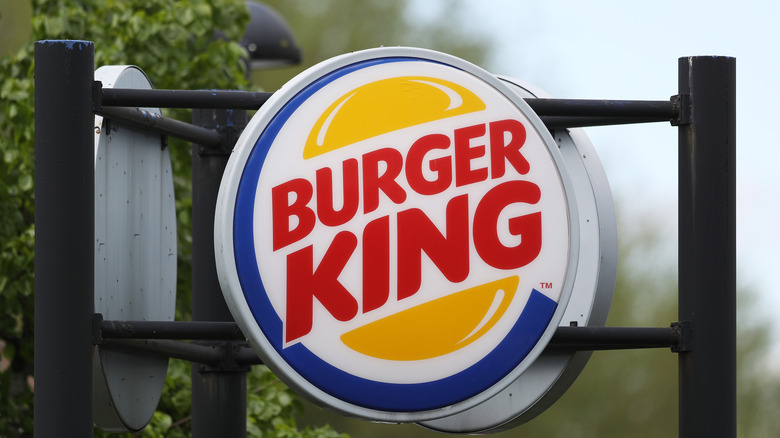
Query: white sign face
(392,234)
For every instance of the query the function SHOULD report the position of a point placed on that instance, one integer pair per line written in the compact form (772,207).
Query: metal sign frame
(67,98)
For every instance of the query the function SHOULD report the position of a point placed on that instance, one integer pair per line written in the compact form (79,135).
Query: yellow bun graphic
(387,105)
(437,327)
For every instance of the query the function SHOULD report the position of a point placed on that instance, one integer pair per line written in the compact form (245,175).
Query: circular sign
(135,256)
(548,378)
(393,234)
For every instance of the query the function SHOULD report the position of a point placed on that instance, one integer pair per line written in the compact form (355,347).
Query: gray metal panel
(135,257)
(553,373)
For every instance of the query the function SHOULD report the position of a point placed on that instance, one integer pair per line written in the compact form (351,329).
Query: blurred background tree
(619,393)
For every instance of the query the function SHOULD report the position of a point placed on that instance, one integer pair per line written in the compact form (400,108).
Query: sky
(629,50)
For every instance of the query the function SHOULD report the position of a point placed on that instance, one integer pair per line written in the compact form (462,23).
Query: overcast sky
(629,50)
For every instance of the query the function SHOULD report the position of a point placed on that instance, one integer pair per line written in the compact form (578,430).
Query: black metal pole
(654,109)
(203,354)
(640,110)
(153,122)
(612,338)
(564,122)
(194,330)
(565,338)
(64,236)
(184,98)
(707,246)
(218,394)
(215,354)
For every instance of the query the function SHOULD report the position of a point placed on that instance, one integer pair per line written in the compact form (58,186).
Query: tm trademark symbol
(545,285)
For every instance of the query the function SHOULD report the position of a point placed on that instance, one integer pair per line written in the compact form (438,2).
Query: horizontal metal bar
(659,110)
(562,122)
(565,338)
(635,111)
(152,122)
(207,99)
(613,338)
(156,338)
(205,354)
(247,356)
(196,330)
(212,354)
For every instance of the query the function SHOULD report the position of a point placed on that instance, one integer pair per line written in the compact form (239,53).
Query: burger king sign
(393,234)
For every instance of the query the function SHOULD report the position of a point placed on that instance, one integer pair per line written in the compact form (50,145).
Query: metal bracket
(682,104)
(682,332)
(97,96)
(153,122)
(97,329)
(230,359)
(575,338)
(222,346)
(228,136)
